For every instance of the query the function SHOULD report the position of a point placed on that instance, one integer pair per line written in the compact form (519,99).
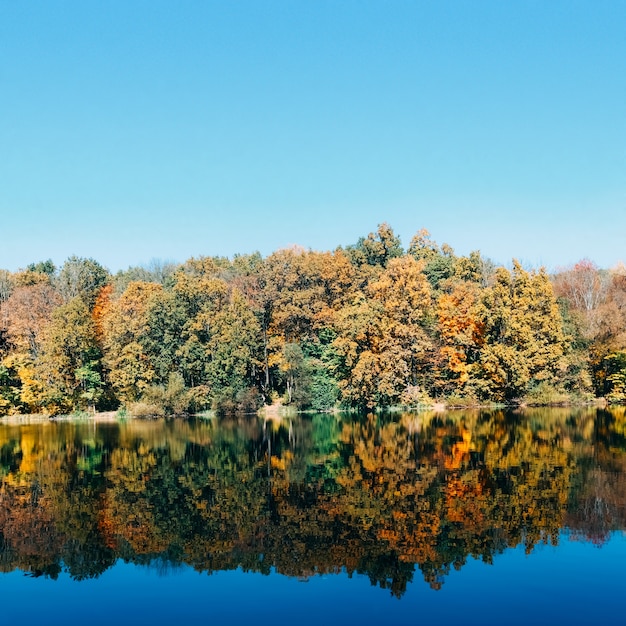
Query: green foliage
(9,391)
(297,375)
(227,401)
(377,248)
(233,346)
(616,377)
(439,263)
(324,390)
(90,381)
(161,339)
(172,399)
(42,267)
(322,362)
(439,270)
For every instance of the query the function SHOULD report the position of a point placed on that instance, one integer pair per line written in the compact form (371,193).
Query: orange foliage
(100,310)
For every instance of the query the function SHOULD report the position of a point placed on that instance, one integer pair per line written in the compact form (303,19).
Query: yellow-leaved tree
(382,337)
(523,340)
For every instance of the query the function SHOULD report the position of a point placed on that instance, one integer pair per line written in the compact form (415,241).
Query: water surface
(483,517)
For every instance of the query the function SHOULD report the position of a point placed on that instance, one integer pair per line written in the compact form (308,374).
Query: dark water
(473,517)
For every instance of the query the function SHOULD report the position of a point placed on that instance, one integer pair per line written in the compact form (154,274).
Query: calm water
(479,517)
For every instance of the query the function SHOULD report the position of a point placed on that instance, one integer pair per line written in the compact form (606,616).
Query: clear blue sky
(141,129)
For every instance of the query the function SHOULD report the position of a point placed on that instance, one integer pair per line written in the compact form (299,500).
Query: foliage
(82,278)
(365,326)
(124,325)
(174,399)
(42,267)
(545,394)
(70,362)
(523,341)
(616,376)
(377,248)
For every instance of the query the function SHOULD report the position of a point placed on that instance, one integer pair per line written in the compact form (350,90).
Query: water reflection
(383,496)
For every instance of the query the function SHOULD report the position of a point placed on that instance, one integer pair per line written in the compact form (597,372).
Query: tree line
(366,325)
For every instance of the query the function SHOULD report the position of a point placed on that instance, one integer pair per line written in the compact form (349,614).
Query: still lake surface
(479,517)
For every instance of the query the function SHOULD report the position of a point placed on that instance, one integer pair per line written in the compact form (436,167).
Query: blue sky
(132,130)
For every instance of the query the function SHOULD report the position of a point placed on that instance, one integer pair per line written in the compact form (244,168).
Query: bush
(243,401)
(545,394)
(145,410)
(465,401)
(414,396)
(159,401)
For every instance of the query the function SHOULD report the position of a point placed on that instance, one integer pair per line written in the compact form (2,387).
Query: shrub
(158,401)
(414,396)
(545,394)
(465,401)
(145,410)
(229,401)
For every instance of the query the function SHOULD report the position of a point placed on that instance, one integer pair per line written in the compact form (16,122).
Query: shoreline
(40,418)
(277,412)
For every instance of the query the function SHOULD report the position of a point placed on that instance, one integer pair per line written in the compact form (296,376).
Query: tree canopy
(362,326)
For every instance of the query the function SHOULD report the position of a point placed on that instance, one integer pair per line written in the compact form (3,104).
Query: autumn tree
(593,303)
(26,313)
(522,335)
(460,332)
(124,324)
(383,338)
(294,294)
(585,287)
(70,362)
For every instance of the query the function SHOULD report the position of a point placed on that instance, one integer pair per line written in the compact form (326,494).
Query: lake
(479,517)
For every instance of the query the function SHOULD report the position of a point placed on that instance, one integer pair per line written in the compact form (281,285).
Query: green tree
(439,262)
(43,267)
(234,349)
(296,373)
(377,248)
(615,368)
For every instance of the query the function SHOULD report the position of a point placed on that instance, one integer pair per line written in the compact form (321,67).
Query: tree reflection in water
(379,495)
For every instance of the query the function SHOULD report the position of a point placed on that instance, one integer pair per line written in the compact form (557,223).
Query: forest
(367,325)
